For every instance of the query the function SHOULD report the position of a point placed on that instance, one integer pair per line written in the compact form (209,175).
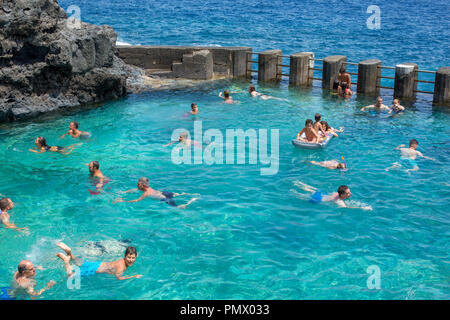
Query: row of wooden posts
(301,73)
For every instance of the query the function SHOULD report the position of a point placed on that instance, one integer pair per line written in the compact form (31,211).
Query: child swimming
(89,268)
(316,196)
(408,157)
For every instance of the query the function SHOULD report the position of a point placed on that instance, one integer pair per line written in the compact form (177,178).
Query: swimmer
(194,109)
(75,133)
(89,268)
(378,106)
(344,76)
(24,281)
(408,157)
(5,205)
(330,130)
(143,185)
(41,145)
(345,90)
(330,164)
(317,125)
(226,97)
(184,140)
(396,107)
(254,93)
(308,134)
(96,175)
(338,197)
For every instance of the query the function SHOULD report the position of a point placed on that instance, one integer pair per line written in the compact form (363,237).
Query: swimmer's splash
(209,148)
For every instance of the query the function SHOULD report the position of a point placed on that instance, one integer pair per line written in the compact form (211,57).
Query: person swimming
(6,204)
(396,107)
(42,146)
(75,133)
(316,196)
(24,281)
(90,268)
(97,177)
(308,134)
(378,106)
(254,93)
(330,164)
(226,96)
(194,109)
(184,141)
(408,157)
(144,186)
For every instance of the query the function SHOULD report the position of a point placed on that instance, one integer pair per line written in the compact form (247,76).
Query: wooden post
(269,65)
(300,72)
(240,64)
(369,76)
(442,87)
(331,66)
(405,84)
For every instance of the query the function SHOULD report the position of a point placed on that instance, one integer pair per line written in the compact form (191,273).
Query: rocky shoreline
(47,63)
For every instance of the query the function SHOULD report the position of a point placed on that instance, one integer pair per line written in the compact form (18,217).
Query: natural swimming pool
(248,236)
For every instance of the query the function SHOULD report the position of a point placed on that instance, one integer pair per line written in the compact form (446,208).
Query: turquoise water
(248,236)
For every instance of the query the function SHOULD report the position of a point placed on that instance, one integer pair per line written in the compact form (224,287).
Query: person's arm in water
(367,107)
(8,225)
(425,157)
(300,134)
(33,293)
(120,277)
(399,146)
(342,204)
(139,199)
(221,95)
(35,151)
(170,143)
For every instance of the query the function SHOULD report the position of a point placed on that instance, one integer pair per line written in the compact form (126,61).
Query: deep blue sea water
(248,236)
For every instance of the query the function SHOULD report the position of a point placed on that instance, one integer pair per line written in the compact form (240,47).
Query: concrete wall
(228,61)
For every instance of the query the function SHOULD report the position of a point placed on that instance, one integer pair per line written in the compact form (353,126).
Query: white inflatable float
(307,145)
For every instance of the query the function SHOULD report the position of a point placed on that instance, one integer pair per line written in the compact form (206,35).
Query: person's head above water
(40,142)
(317,117)
(308,123)
(379,101)
(143,183)
(325,125)
(130,256)
(194,106)
(6,204)
(94,166)
(413,144)
(226,94)
(73,125)
(251,88)
(183,136)
(344,192)
(341,166)
(26,269)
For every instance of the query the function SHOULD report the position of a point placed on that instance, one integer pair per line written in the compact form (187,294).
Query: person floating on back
(24,281)
(42,146)
(378,106)
(396,107)
(90,268)
(408,157)
(75,133)
(5,205)
(143,185)
(308,134)
(338,197)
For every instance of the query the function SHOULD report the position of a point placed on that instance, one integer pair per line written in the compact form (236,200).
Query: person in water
(378,106)
(24,281)
(97,176)
(330,164)
(194,109)
(184,141)
(408,157)
(75,133)
(90,268)
(345,90)
(344,76)
(338,197)
(337,89)
(396,107)
(5,205)
(318,126)
(254,93)
(329,130)
(308,134)
(226,96)
(148,192)
(41,146)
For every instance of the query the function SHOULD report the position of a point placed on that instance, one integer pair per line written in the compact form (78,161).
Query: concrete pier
(301,72)
(269,65)
(369,76)
(331,66)
(442,87)
(405,84)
